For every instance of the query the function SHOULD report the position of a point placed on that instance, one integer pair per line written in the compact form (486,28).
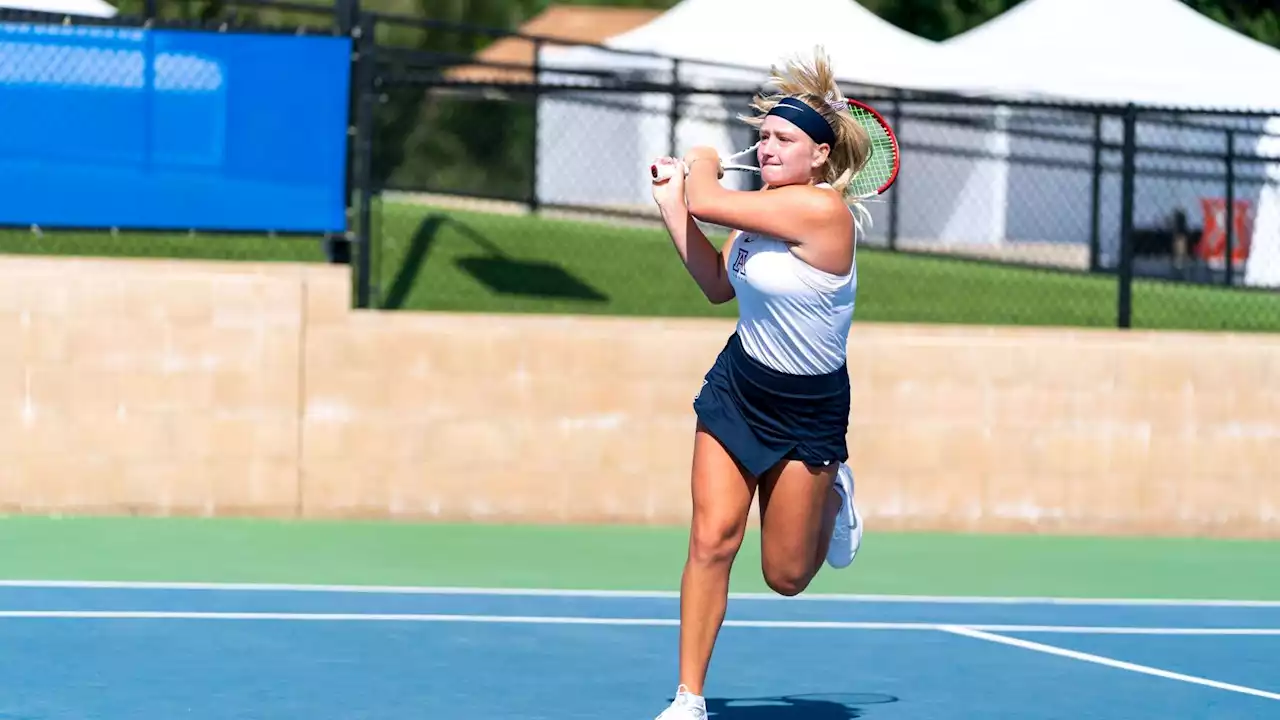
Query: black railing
(1118,194)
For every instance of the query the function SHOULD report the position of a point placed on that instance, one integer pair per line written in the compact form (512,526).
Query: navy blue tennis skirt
(762,416)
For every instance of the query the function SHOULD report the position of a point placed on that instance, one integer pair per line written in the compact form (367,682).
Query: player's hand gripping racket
(880,172)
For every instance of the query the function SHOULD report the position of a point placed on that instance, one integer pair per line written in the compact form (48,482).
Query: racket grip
(662,172)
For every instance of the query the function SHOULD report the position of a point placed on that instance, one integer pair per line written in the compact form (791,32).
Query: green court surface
(616,558)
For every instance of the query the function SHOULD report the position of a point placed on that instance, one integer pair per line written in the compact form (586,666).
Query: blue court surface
(134,651)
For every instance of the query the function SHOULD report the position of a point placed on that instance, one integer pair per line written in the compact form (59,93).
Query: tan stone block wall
(589,419)
(205,388)
(1076,431)
(502,417)
(148,387)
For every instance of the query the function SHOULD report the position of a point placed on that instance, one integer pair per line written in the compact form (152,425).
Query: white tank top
(792,317)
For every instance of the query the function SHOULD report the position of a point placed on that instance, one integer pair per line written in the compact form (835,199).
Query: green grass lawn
(436,259)
(452,260)
(200,246)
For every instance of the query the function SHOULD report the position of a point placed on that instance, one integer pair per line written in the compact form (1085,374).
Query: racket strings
(881,166)
(881,154)
(728,165)
(870,182)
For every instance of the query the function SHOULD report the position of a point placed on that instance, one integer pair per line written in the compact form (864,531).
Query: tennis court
(130,648)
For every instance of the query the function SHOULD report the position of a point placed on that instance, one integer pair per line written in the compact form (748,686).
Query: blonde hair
(814,84)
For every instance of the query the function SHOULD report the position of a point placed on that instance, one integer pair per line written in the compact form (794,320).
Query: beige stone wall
(148,386)
(159,387)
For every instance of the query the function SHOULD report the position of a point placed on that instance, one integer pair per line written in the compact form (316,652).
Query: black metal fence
(1004,212)
(1065,213)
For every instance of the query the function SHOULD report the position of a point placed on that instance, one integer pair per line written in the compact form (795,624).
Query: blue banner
(156,129)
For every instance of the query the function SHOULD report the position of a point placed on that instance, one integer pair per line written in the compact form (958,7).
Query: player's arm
(705,264)
(798,214)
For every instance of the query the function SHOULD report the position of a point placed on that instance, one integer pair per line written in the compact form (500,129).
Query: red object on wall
(1213,244)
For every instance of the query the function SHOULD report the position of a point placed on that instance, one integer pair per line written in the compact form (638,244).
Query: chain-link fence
(1192,257)
(1003,212)
(518,179)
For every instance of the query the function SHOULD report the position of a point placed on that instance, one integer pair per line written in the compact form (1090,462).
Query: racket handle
(663,172)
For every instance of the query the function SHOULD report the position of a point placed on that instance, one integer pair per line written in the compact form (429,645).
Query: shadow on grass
(496,270)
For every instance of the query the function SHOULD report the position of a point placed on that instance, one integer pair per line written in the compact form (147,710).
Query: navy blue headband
(806,118)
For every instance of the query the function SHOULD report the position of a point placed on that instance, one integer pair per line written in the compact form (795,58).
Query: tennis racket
(877,176)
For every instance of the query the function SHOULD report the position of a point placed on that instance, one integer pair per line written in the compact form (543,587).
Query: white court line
(642,622)
(974,632)
(628,594)
(1122,630)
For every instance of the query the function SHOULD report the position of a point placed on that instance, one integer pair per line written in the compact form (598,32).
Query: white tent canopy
(732,44)
(1154,52)
(958,180)
(1148,52)
(757,33)
(1263,268)
(88,8)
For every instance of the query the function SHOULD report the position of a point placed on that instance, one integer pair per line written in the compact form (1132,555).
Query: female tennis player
(773,410)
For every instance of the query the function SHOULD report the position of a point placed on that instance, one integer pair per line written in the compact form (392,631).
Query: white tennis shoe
(686,706)
(846,536)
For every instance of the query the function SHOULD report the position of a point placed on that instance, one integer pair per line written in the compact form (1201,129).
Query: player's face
(787,156)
